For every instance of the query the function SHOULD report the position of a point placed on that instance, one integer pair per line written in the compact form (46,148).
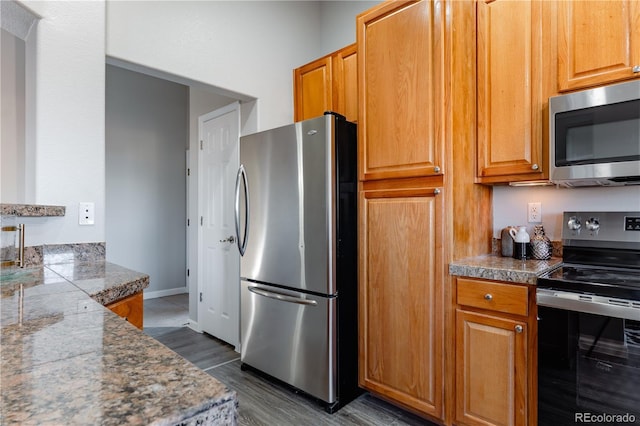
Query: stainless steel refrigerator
(296,220)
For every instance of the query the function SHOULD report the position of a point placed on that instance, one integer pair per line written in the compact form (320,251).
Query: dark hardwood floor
(264,402)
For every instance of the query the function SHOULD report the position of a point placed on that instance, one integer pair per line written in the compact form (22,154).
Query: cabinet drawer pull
(535,167)
(519,328)
(636,69)
(488,296)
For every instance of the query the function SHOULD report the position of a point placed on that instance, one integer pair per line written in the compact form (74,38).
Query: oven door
(588,359)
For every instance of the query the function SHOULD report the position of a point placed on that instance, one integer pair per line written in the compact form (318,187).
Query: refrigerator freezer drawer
(290,336)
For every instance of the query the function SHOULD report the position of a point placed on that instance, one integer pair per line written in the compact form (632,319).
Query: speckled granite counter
(68,360)
(493,267)
(105,282)
(31,210)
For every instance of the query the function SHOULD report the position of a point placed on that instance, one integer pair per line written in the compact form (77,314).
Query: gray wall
(146,138)
(338,23)
(12,136)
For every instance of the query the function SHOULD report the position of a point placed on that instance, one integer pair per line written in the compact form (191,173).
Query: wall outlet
(534,212)
(86,213)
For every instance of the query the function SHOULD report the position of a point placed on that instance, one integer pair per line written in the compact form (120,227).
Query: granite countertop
(66,359)
(31,210)
(494,267)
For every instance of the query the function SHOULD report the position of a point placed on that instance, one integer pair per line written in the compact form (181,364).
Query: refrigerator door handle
(282,297)
(242,174)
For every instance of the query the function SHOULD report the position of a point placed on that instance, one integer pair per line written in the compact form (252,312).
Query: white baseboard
(163,293)
(194,326)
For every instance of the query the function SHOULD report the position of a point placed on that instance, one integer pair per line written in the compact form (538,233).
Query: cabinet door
(130,308)
(491,366)
(401,297)
(345,82)
(510,91)
(313,89)
(401,89)
(598,42)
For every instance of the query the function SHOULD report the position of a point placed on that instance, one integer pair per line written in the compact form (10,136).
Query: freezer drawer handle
(283,297)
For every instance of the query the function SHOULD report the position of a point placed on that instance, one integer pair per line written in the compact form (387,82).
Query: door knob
(231,239)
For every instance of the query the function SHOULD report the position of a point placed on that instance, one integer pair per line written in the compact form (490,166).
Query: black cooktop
(604,281)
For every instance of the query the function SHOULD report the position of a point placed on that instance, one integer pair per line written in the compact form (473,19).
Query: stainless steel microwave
(595,136)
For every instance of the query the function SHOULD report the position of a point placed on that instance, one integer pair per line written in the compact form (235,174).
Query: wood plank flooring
(264,402)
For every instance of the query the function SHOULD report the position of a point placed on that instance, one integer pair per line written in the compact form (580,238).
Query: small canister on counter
(521,242)
(506,242)
(541,247)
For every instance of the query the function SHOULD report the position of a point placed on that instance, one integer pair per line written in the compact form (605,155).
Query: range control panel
(601,229)
(632,223)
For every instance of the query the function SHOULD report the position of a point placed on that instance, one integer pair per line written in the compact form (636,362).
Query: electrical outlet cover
(86,213)
(534,212)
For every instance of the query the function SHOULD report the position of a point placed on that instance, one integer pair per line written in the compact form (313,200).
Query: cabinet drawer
(501,297)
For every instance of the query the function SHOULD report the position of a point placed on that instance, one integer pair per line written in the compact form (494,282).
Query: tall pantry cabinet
(408,192)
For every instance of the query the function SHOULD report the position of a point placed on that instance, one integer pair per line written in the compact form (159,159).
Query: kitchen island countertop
(66,359)
(508,269)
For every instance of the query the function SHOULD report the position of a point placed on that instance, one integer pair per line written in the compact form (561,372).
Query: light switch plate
(86,213)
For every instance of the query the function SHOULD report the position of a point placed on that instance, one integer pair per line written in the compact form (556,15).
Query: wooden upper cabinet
(510,91)
(313,89)
(598,42)
(345,82)
(401,89)
(327,84)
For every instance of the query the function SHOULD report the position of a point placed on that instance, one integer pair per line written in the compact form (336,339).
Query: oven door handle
(589,304)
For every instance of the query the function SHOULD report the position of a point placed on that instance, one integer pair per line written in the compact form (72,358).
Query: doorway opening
(151,188)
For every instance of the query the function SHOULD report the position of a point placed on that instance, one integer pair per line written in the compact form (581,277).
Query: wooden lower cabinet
(491,370)
(130,308)
(494,350)
(401,305)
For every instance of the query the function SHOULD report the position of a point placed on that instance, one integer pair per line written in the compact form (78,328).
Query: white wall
(65,111)
(337,19)
(247,47)
(146,140)
(510,204)
(250,47)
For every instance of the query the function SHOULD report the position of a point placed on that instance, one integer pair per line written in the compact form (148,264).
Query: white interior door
(218,257)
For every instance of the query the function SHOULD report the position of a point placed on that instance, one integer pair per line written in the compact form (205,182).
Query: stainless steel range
(589,323)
